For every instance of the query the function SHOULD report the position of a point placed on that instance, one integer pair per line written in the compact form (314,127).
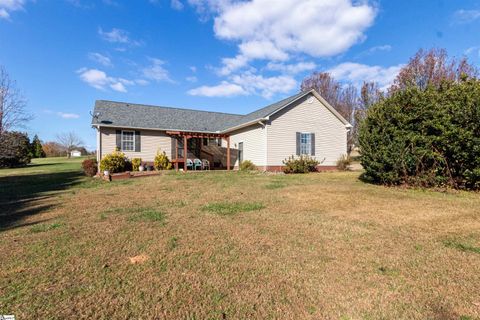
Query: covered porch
(190,147)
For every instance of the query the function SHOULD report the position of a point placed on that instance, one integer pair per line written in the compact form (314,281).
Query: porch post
(176,153)
(185,153)
(228,153)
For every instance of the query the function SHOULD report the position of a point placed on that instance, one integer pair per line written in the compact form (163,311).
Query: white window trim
(121,141)
(309,153)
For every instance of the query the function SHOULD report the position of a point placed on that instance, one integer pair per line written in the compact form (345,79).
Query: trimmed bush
(161,161)
(427,138)
(90,167)
(301,164)
(136,162)
(247,165)
(344,162)
(114,162)
(14,149)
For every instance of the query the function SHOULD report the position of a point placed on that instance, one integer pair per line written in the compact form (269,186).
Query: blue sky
(222,55)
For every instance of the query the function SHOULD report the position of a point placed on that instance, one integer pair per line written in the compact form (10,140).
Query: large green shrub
(14,149)
(114,162)
(301,164)
(161,161)
(425,137)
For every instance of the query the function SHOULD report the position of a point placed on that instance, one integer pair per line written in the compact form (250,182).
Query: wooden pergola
(190,134)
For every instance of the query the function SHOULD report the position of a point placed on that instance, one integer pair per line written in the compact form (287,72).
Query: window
(128,140)
(305,143)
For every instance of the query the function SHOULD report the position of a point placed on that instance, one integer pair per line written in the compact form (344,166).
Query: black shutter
(119,139)
(298,143)
(312,142)
(138,146)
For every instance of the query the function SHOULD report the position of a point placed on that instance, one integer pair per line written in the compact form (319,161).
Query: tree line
(423,130)
(426,68)
(16,149)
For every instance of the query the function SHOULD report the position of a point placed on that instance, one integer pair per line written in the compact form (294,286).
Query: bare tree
(325,85)
(12,104)
(432,67)
(69,141)
(370,93)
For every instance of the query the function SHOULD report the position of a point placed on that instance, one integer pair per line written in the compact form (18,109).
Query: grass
(45,227)
(227,208)
(462,246)
(314,246)
(148,215)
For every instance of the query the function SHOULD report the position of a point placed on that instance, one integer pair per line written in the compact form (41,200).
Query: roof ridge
(174,108)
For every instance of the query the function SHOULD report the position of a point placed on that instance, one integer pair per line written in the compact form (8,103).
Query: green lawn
(221,245)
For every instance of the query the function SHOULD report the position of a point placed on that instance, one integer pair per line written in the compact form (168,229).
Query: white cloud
(466,16)
(176,4)
(356,73)
(473,50)
(191,79)
(317,28)
(141,82)
(100,58)
(68,115)
(224,89)
(118,86)
(248,83)
(385,47)
(265,86)
(232,64)
(64,115)
(263,49)
(8,6)
(118,36)
(193,69)
(291,68)
(275,31)
(100,80)
(156,71)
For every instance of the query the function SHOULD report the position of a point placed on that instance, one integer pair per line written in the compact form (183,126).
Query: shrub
(114,162)
(161,161)
(344,162)
(247,165)
(14,149)
(90,167)
(301,164)
(136,162)
(426,138)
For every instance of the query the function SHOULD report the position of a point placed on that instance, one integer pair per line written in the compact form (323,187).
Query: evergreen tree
(37,148)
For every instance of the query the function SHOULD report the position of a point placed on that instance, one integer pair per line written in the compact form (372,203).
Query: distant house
(303,124)
(75,153)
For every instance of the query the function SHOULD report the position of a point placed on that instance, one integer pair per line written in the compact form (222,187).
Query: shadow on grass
(22,195)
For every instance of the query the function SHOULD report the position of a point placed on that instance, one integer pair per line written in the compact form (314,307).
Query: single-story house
(75,153)
(303,124)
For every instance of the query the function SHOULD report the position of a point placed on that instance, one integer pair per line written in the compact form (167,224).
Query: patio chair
(189,164)
(205,164)
(197,163)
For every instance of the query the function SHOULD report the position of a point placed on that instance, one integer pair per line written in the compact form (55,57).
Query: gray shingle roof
(122,114)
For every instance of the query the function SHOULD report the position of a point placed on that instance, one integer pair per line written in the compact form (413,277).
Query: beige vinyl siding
(151,141)
(314,117)
(253,138)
